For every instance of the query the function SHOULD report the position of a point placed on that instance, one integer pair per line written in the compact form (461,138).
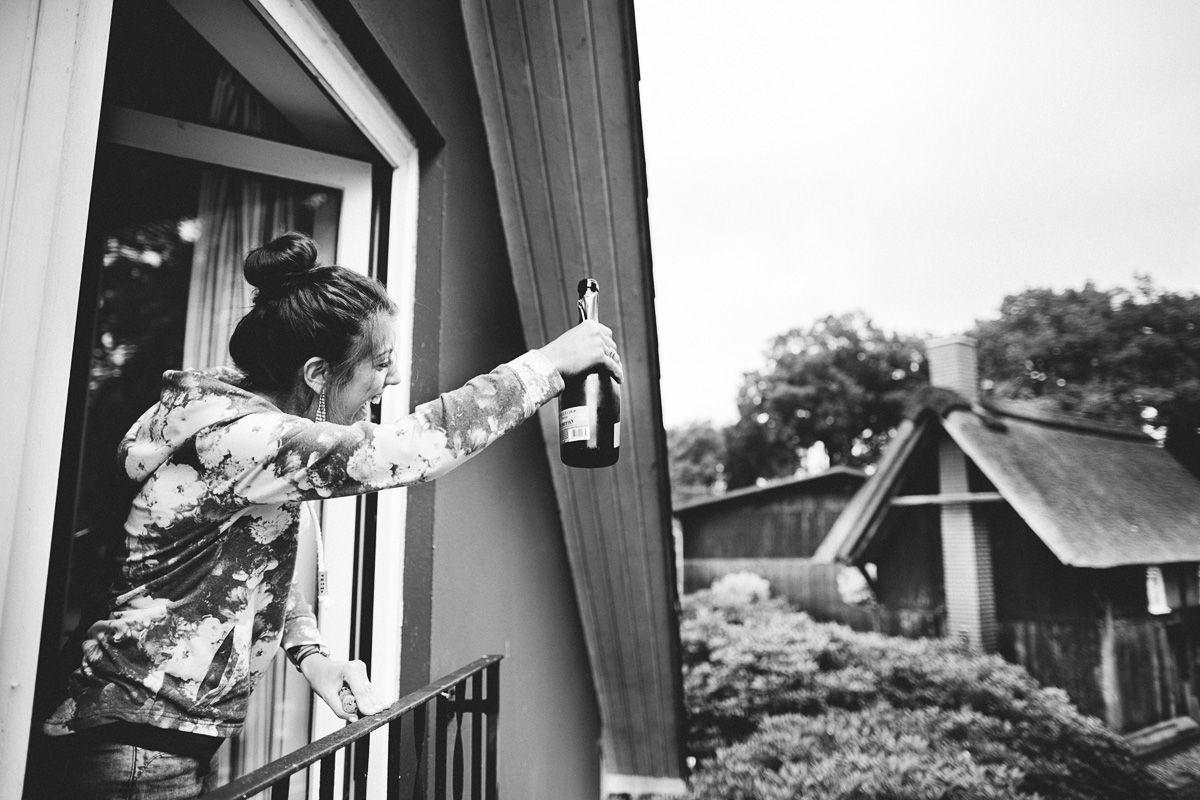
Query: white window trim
(174,137)
(305,32)
(352,178)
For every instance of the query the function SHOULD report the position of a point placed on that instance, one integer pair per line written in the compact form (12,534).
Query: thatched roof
(1098,496)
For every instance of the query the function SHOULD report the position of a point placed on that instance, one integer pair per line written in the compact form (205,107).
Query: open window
(224,124)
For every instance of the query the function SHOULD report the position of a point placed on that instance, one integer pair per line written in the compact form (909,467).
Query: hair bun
(278,264)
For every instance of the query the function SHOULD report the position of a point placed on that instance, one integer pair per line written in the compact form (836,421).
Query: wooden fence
(809,586)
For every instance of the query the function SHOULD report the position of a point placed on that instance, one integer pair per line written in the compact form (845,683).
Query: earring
(321,406)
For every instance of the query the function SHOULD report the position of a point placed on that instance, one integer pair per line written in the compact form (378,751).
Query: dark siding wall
(1125,589)
(1062,653)
(1030,582)
(907,554)
(500,582)
(787,523)
(922,477)
(1088,632)
(1146,683)
(808,587)
(909,560)
(1123,671)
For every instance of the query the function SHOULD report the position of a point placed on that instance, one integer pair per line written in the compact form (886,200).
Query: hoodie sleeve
(299,621)
(283,458)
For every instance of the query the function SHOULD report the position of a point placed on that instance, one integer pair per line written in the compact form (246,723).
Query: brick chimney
(966,543)
(953,365)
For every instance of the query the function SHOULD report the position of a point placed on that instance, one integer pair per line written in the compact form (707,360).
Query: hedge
(782,707)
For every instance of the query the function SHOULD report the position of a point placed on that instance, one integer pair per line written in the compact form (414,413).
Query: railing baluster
(325,792)
(394,765)
(359,754)
(458,744)
(477,736)
(441,728)
(493,727)
(421,736)
(448,695)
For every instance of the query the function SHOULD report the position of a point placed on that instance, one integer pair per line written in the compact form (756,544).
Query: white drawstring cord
(322,574)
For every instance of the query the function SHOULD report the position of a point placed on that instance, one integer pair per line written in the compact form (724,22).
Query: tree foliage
(842,382)
(697,454)
(1124,356)
(1129,356)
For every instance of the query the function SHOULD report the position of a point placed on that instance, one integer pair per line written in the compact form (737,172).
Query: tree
(1121,356)
(696,452)
(842,382)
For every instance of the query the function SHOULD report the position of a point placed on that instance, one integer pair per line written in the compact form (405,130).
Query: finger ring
(349,703)
(608,351)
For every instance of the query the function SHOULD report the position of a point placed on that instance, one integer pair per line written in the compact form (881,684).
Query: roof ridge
(1030,412)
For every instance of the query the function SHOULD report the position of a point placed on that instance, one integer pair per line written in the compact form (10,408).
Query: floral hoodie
(205,597)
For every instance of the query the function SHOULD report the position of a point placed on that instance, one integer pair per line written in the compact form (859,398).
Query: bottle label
(617,434)
(573,425)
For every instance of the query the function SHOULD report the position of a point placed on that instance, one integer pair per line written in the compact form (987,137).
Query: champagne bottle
(589,409)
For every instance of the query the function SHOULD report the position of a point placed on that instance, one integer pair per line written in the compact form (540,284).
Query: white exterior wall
(953,364)
(966,558)
(52,57)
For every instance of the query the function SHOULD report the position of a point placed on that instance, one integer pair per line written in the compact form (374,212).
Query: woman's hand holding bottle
(587,345)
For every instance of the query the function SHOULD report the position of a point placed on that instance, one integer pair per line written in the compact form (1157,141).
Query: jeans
(100,770)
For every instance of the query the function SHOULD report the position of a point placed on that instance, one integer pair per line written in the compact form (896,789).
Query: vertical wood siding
(812,588)
(1120,670)
(558,90)
(777,527)
(807,586)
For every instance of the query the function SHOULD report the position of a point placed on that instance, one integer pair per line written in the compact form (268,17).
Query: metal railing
(407,767)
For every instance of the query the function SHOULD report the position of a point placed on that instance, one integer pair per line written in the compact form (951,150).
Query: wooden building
(1067,546)
(479,157)
(772,531)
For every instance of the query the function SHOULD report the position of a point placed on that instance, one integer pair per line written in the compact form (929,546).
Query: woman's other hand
(327,676)
(587,345)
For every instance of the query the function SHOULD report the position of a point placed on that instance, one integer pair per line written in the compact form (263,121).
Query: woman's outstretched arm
(303,460)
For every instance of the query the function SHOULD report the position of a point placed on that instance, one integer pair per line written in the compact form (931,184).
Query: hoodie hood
(191,401)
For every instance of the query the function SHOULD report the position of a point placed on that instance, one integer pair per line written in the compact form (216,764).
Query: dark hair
(303,309)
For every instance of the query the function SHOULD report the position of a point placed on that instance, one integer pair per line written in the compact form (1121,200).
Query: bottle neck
(587,305)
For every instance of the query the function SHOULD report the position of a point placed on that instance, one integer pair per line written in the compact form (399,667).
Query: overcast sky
(916,160)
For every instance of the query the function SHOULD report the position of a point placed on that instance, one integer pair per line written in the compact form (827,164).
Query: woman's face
(377,370)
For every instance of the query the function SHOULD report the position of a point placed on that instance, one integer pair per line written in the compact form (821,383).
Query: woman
(223,462)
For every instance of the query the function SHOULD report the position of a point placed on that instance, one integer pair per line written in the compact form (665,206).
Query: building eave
(558,88)
(754,492)
(863,515)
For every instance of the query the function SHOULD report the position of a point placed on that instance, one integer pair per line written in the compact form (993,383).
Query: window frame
(302,29)
(56,53)
(305,34)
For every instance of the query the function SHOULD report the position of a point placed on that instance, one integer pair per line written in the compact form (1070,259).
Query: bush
(739,589)
(781,706)
(892,753)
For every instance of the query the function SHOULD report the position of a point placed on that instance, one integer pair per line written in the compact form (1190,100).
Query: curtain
(239,211)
